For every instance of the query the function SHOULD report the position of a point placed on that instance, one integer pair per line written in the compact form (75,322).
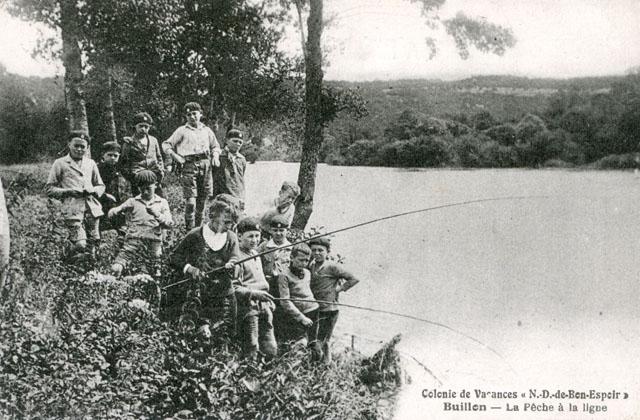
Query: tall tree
(62,15)
(467,32)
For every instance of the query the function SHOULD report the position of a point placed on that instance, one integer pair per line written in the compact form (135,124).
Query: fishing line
(380,219)
(415,318)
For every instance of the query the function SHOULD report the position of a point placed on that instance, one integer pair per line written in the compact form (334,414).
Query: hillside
(507,98)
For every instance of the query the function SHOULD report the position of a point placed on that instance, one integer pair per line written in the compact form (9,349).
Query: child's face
(319,253)
(234,144)
(279,234)
(77,148)
(193,117)
(301,260)
(285,197)
(111,158)
(142,129)
(220,223)
(250,240)
(147,191)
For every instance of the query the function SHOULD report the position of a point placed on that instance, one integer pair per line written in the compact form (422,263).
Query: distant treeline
(585,121)
(495,121)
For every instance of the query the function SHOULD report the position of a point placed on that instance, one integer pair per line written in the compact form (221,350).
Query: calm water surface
(551,284)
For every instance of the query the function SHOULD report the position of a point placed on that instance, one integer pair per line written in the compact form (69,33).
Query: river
(542,292)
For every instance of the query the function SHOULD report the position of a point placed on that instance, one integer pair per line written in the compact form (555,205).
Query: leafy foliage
(83,344)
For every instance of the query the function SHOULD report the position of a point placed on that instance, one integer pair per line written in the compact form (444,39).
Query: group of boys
(237,273)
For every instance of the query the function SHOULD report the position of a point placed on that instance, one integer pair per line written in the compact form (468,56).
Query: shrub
(504,134)
(362,152)
(528,127)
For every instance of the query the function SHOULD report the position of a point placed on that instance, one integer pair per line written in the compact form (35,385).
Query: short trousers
(138,250)
(196,179)
(79,229)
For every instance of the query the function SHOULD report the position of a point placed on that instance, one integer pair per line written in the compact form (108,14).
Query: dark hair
(301,249)
(79,134)
(218,208)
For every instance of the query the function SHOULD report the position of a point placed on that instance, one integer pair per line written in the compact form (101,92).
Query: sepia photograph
(320,209)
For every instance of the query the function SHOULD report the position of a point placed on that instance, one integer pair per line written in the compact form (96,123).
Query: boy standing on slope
(301,312)
(228,178)
(75,180)
(328,279)
(194,146)
(147,214)
(255,307)
(116,186)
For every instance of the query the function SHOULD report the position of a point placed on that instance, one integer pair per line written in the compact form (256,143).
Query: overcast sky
(385,39)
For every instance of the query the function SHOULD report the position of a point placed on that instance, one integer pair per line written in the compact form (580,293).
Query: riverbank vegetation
(76,344)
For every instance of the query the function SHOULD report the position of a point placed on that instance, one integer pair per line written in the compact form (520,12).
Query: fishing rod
(380,219)
(398,314)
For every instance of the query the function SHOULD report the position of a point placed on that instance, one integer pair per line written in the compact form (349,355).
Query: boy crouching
(301,311)
(255,305)
(146,214)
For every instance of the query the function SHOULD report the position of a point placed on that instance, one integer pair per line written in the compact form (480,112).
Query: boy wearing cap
(301,313)
(282,205)
(75,180)
(195,147)
(116,186)
(255,304)
(275,262)
(147,215)
(228,178)
(142,152)
(328,279)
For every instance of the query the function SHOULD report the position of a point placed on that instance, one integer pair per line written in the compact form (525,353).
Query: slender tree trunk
(313,129)
(72,61)
(109,117)
(301,23)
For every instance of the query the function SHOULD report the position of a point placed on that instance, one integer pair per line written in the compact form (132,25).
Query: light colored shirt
(66,174)
(140,223)
(188,140)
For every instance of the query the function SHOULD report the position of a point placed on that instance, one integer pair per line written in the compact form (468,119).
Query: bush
(467,149)
(483,120)
(362,152)
(528,127)
(493,154)
(625,161)
(504,134)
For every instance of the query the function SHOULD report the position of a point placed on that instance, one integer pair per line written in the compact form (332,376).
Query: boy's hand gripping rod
(393,216)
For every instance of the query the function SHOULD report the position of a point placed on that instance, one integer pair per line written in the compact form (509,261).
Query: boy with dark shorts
(328,279)
(116,187)
(228,178)
(255,305)
(75,180)
(299,323)
(195,147)
(147,215)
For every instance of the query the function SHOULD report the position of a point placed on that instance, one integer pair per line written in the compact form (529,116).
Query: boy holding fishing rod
(207,255)
(277,261)
(328,279)
(255,304)
(299,323)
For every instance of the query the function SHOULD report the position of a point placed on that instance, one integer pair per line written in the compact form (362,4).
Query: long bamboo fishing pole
(398,314)
(380,219)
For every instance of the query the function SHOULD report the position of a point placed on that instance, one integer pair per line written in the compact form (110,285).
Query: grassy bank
(83,344)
